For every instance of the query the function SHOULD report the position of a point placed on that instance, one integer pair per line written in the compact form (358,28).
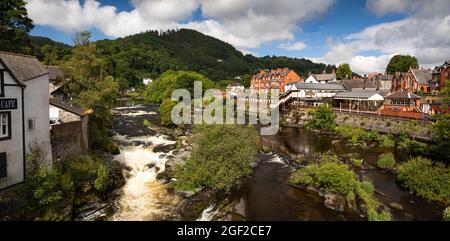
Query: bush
(446,214)
(411,146)
(221,158)
(387,141)
(332,177)
(327,177)
(386,160)
(356,162)
(165,111)
(322,119)
(426,179)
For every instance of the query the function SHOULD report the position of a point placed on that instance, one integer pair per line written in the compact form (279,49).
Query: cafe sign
(8,104)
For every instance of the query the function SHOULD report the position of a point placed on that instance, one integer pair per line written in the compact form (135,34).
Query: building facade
(441,74)
(274,79)
(24,115)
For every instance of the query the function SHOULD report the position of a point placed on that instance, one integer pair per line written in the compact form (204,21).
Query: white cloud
(244,23)
(420,34)
(296,46)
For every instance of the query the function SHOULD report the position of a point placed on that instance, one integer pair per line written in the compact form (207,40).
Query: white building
(320,78)
(147,81)
(24,115)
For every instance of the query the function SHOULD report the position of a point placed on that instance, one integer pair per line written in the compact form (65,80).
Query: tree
(344,72)
(441,133)
(82,38)
(221,158)
(163,87)
(14,27)
(89,87)
(401,63)
(322,118)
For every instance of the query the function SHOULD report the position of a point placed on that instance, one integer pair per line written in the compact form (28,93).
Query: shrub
(327,177)
(165,111)
(426,179)
(221,158)
(356,162)
(411,146)
(387,141)
(322,118)
(327,157)
(446,214)
(386,160)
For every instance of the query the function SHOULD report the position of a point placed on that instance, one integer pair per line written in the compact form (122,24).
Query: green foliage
(328,177)
(322,118)
(333,177)
(357,135)
(387,141)
(14,27)
(446,214)
(425,178)
(401,63)
(404,143)
(90,88)
(165,111)
(221,158)
(386,160)
(163,87)
(356,162)
(344,72)
(50,52)
(441,134)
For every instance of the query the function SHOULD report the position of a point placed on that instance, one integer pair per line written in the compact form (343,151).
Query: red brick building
(274,79)
(415,80)
(440,75)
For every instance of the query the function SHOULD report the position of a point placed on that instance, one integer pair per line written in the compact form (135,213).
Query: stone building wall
(416,129)
(68,139)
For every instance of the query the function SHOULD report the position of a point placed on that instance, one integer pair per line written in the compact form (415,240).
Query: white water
(277,159)
(208,214)
(144,198)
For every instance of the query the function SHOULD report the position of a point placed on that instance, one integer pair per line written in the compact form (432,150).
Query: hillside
(149,54)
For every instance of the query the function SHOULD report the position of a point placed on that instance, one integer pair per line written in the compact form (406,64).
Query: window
(3,165)
(31,124)
(5,125)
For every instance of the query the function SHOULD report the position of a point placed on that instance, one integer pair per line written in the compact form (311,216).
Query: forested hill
(149,54)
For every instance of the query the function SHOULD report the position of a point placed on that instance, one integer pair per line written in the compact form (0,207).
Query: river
(266,195)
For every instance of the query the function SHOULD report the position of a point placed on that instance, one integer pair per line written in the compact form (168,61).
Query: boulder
(334,202)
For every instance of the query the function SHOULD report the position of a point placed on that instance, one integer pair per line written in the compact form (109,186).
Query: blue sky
(329,31)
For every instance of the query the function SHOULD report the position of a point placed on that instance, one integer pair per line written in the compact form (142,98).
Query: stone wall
(416,129)
(69,139)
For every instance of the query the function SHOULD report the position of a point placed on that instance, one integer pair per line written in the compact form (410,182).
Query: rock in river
(335,202)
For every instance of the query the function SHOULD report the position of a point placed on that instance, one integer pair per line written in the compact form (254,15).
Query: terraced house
(274,79)
(24,115)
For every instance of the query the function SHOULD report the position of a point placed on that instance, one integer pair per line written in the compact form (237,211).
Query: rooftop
(403,95)
(355,95)
(359,84)
(316,86)
(422,76)
(22,67)
(68,107)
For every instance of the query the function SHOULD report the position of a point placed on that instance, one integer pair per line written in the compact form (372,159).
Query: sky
(363,33)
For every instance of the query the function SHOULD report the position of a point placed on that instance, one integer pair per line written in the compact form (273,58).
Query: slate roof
(325,77)
(22,67)
(355,95)
(403,95)
(422,76)
(359,84)
(316,86)
(68,107)
(54,73)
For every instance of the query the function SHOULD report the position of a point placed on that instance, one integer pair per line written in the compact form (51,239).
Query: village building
(403,105)
(417,80)
(69,129)
(384,82)
(441,74)
(274,79)
(398,82)
(24,115)
(235,88)
(359,84)
(310,94)
(358,100)
(321,78)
